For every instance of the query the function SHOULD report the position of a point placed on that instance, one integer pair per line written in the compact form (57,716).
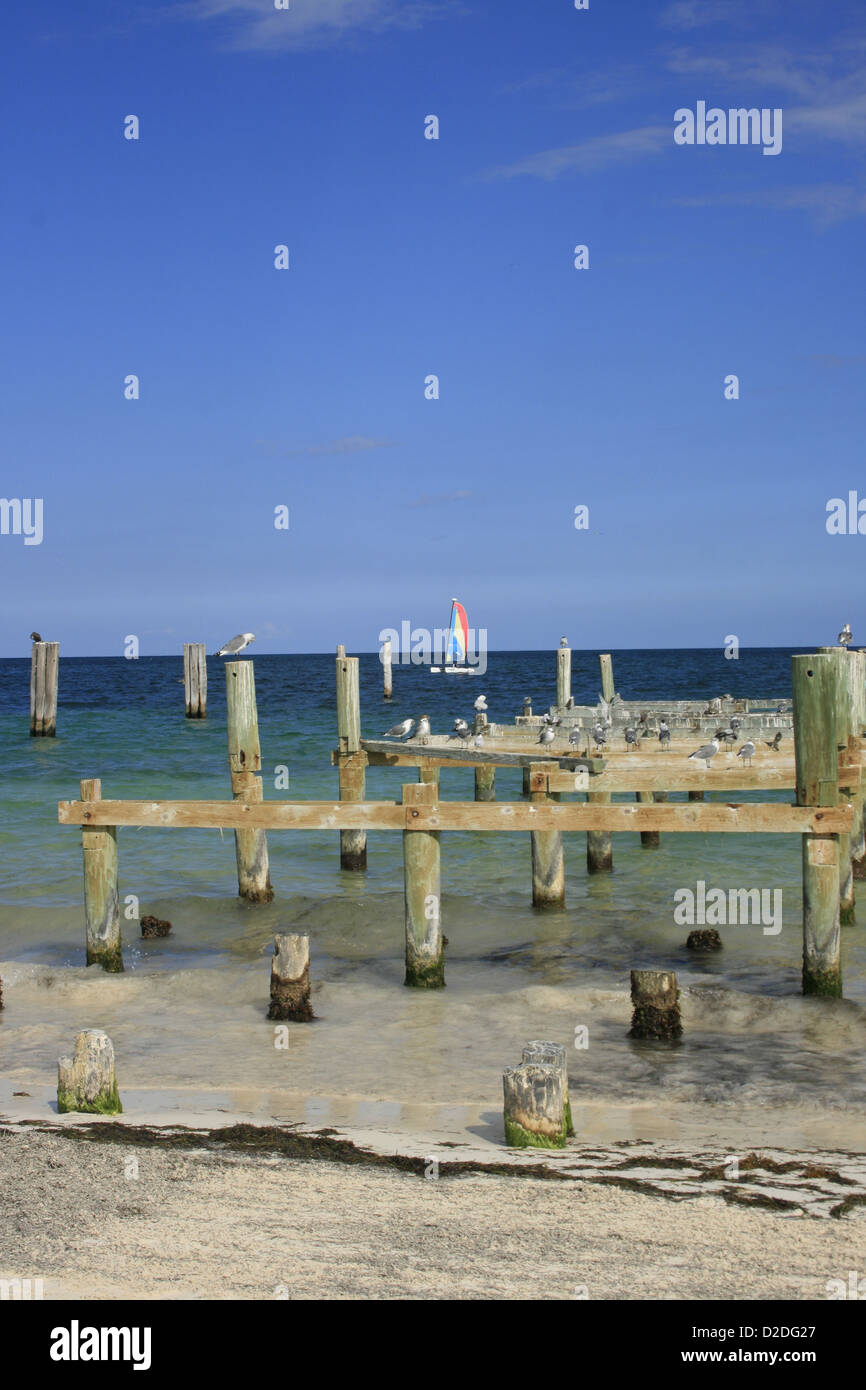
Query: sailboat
(456,646)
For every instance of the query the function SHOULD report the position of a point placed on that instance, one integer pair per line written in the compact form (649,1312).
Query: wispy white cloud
(436,498)
(827,203)
(696,14)
(255,24)
(349,444)
(590,155)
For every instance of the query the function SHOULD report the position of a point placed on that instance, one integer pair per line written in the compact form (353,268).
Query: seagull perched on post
(631,739)
(728,736)
(664,734)
(574,737)
(35,637)
(775,743)
(481,703)
(400,730)
(599,735)
(707,752)
(461,730)
(747,752)
(547,735)
(423,730)
(844,636)
(237,644)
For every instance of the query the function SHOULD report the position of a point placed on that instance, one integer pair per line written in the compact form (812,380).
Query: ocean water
(188,1016)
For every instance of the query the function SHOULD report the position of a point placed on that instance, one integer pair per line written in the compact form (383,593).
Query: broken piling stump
(86,1081)
(552,1054)
(44,666)
(154,926)
(290,979)
(704,939)
(534,1106)
(195,679)
(655,1001)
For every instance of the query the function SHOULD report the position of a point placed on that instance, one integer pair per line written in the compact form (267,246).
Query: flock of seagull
(462,730)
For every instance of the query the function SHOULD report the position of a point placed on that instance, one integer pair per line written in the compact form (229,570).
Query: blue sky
(408,256)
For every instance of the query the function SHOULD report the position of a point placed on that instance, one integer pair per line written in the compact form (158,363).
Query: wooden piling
(845,710)
(485,782)
(44,667)
(290,979)
(101,900)
(552,1054)
(563,676)
(351,760)
(245,765)
(818,718)
(533,1105)
(527,781)
(429,775)
(548,864)
(387,685)
(599,845)
(195,679)
(86,1082)
(425,948)
(655,1004)
(857,696)
(605,662)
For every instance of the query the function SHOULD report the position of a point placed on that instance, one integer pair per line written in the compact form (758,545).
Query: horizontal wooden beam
(460,815)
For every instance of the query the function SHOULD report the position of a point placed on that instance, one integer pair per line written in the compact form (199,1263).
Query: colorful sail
(458,634)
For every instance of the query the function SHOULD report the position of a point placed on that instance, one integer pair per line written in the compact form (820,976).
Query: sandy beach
(142,1219)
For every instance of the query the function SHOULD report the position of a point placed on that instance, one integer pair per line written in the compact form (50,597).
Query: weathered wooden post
(605,661)
(655,1003)
(651,839)
(44,666)
(857,695)
(845,709)
(534,1106)
(552,1054)
(387,685)
(290,979)
(86,1081)
(818,694)
(548,864)
(195,679)
(527,781)
(485,782)
(245,765)
(696,795)
(351,760)
(599,845)
(563,674)
(101,901)
(425,948)
(430,775)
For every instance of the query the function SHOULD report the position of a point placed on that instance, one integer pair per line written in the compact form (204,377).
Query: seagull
(728,735)
(547,735)
(527,704)
(664,733)
(400,730)
(747,752)
(423,730)
(574,736)
(631,738)
(783,709)
(479,741)
(461,729)
(775,743)
(845,635)
(481,703)
(35,637)
(735,724)
(237,644)
(599,735)
(708,751)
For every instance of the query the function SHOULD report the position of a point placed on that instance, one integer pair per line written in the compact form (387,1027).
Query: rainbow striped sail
(458,635)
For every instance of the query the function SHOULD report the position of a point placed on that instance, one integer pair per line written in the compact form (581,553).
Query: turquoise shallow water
(190,1009)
